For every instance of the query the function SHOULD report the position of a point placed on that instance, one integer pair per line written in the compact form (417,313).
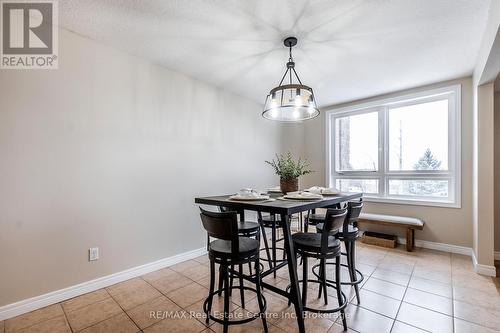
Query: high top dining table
(284,208)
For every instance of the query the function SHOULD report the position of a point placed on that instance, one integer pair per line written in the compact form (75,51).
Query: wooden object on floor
(375,238)
(409,223)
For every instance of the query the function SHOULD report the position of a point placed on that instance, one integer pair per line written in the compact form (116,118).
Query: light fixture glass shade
(290,103)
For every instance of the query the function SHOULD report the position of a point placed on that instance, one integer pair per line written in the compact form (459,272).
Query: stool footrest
(328,284)
(234,322)
(358,281)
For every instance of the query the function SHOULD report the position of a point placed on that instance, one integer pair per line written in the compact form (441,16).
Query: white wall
(110,151)
(443,225)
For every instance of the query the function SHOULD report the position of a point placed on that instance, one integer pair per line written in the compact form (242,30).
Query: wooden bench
(409,223)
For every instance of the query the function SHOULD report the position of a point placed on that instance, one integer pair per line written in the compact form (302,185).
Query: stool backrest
(334,220)
(240,212)
(222,225)
(354,209)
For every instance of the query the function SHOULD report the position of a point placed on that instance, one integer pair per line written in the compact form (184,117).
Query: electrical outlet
(93,253)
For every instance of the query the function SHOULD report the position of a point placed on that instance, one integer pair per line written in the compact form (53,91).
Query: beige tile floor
(422,291)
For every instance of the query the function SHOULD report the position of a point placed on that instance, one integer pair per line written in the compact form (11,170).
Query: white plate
(243,198)
(275,189)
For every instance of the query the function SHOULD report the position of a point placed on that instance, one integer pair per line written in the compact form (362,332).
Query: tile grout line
(453,302)
(140,329)
(102,300)
(408,287)
(401,303)
(352,298)
(37,323)
(66,316)
(182,308)
(452,296)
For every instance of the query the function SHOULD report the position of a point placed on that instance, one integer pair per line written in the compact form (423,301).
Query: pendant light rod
(290,65)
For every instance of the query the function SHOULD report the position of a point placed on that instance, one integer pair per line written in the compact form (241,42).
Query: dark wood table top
(277,206)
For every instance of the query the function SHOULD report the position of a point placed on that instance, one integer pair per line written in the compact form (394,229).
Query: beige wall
(483,215)
(443,225)
(485,71)
(110,151)
(497,169)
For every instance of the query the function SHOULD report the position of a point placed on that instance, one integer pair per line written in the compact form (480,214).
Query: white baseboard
(478,268)
(483,269)
(497,255)
(439,246)
(34,303)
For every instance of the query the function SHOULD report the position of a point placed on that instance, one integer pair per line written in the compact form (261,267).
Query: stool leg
(306,222)
(273,241)
(353,269)
(230,274)
(226,300)
(212,286)
(304,281)
(266,245)
(259,295)
(320,289)
(221,280)
(339,286)
(242,291)
(348,251)
(325,291)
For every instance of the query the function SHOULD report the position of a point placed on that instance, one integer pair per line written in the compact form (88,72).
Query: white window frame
(453,174)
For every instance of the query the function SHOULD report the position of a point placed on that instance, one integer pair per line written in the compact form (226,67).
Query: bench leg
(410,239)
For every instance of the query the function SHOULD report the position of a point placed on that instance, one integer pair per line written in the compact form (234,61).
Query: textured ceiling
(347,49)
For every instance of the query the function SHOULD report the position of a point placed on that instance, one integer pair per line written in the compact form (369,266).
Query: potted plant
(289,171)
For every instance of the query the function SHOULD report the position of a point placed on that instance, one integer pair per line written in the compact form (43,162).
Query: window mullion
(383,121)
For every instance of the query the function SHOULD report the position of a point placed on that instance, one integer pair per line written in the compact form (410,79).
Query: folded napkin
(310,195)
(329,190)
(315,189)
(303,194)
(249,193)
(320,190)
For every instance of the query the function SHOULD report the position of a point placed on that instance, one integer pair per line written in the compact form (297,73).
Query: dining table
(285,208)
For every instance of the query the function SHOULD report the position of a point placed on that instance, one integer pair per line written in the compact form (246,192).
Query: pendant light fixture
(290,102)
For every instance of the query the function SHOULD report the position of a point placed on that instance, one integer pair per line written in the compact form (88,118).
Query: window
(402,150)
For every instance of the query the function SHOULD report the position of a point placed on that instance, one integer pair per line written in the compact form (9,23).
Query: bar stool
(323,246)
(272,222)
(348,235)
(229,249)
(312,218)
(245,229)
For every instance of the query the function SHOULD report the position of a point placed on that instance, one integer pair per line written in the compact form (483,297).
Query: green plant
(287,168)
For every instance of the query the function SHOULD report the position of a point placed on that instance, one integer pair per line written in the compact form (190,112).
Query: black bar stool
(245,229)
(348,235)
(312,218)
(272,222)
(323,246)
(229,249)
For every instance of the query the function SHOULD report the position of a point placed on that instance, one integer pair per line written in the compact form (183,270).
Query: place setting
(324,191)
(249,194)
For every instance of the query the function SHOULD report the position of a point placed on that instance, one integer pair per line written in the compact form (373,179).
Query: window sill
(412,202)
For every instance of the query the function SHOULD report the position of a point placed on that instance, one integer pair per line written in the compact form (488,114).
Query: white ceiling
(348,49)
